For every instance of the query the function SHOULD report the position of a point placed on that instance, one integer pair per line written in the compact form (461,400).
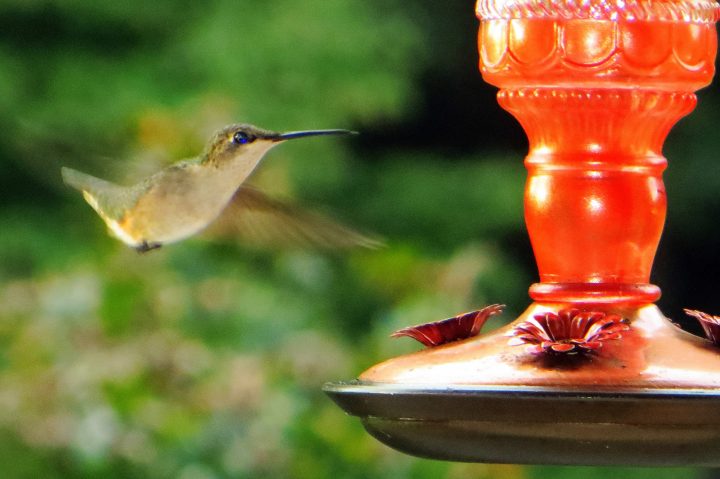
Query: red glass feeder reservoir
(591,372)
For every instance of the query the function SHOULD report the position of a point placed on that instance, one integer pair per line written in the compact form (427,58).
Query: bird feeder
(592,372)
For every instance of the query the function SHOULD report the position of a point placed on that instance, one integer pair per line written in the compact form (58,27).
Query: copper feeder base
(650,399)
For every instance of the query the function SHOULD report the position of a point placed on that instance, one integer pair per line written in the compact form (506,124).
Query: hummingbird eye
(241,138)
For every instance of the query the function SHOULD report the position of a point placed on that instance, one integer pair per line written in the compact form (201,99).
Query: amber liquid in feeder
(596,99)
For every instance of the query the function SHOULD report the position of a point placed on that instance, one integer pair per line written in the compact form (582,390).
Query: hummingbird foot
(144,247)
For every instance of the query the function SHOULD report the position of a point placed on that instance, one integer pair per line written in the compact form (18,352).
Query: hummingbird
(184,198)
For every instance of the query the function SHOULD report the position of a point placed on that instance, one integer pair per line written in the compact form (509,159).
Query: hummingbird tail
(108,199)
(78,180)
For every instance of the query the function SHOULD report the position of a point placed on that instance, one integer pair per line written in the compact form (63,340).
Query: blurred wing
(254,218)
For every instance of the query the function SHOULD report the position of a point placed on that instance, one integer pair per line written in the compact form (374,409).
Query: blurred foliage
(205,360)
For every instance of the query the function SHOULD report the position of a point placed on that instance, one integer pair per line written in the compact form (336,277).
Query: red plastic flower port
(709,323)
(462,326)
(570,331)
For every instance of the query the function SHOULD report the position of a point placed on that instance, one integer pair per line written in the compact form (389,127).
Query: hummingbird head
(234,141)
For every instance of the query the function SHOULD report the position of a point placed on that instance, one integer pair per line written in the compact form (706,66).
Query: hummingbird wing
(257,219)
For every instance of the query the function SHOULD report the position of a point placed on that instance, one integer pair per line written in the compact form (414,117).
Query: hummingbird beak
(301,134)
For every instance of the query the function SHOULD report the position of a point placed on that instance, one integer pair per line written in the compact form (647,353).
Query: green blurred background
(203,359)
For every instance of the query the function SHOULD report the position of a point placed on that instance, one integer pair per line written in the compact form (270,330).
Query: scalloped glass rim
(670,11)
